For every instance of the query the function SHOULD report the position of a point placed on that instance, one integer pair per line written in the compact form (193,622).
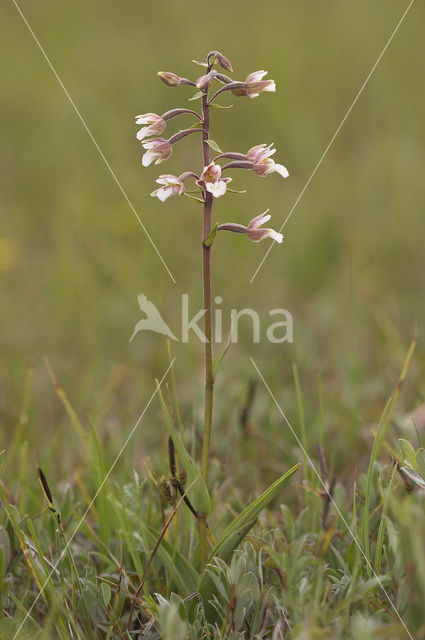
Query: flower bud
(204,81)
(224,62)
(169,78)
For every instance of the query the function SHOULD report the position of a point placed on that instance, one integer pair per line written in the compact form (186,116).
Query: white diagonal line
(83,122)
(83,517)
(341,124)
(331,499)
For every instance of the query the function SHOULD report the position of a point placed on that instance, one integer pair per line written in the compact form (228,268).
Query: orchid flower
(254,84)
(263,164)
(211,180)
(156,125)
(171,186)
(158,149)
(255,233)
(253,230)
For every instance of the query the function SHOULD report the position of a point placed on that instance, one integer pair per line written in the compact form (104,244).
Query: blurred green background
(73,257)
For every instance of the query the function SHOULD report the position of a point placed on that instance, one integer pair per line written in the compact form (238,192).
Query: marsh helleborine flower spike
(156,125)
(211,180)
(258,159)
(263,164)
(158,149)
(171,186)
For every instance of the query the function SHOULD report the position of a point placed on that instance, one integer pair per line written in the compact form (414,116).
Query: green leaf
(409,454)
(213,145)
(219,357)
(198,494)
(236,191)
(211,237)
(214,105)
(193,197)
(184,575)
(420,461)
(250,513)
(415,477)
(106,593)
(197,95)
(201,64)
(237,530)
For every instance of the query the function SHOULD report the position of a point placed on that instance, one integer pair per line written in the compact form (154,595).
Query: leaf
(219,357)
(214,105)
(193,197)
(213,145)
(201,64)
(420,461)
(197,95)
(199,495)
(236,191)
(106,593)
(184,575)
(415,477)
(237,530)
(408,451)
(211,237)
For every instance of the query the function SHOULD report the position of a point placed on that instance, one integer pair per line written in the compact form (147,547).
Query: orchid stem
(208,360)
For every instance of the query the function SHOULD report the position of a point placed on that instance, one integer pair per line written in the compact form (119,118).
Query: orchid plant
(209,183)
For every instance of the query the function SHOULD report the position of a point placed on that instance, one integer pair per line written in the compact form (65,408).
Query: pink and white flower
(211,180)
(263,164)
(157,149)
(156,125)
(255,233)
(254,85)
(171,186)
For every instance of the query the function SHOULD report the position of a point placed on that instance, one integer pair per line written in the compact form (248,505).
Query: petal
(164,193)
(270,87)
(217,188)
(283,171)
(142,133)
(260,219)
(147,118)
(256,76)
(148,158)
(277,237)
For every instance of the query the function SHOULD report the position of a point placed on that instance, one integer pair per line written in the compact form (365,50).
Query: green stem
(208,359)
